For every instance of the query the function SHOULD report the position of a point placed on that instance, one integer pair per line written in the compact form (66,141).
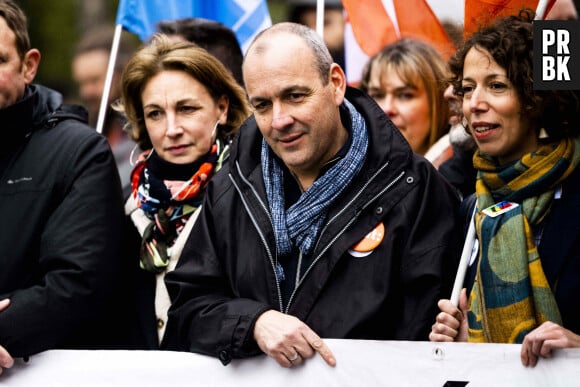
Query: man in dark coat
(60,209)
(323,224)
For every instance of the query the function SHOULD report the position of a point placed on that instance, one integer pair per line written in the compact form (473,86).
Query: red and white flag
(372,24)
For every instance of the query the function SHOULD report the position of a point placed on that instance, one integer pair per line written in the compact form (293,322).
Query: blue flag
(245,17)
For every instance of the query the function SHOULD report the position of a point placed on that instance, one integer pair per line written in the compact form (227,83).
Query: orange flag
(371,25)
(483,12)
(417,20)
(370,28)
(373,29)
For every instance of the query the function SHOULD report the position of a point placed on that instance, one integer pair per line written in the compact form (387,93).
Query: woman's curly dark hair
(510,42)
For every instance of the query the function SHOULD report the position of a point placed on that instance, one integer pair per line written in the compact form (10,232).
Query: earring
(543,134)
(213,132)
(132,154)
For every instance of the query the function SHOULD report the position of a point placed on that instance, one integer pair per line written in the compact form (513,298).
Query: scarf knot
(168,200)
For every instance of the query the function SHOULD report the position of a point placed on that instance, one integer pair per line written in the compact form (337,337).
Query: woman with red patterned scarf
(183,108)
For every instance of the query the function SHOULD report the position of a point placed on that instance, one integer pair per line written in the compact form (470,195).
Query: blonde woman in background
(407,79)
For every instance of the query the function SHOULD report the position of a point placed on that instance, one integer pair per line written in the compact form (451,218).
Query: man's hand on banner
(288,340)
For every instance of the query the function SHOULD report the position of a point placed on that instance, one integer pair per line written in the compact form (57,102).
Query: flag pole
(109,78)
(320,17)
(541,9)
(464,261)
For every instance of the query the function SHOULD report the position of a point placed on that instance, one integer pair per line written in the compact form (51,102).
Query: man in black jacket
(323,223)
(60,209)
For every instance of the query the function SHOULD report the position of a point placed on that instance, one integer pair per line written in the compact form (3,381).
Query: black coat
(61,230)
(225,278)
(559,251)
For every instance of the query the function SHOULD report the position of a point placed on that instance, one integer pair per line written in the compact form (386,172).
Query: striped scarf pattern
(511,295)
(304,219)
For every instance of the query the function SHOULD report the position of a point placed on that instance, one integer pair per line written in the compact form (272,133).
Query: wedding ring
(294,357)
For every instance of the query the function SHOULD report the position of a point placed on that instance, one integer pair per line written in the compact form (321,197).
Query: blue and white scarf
(302,222)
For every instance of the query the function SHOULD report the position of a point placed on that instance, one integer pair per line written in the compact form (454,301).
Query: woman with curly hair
(523,280)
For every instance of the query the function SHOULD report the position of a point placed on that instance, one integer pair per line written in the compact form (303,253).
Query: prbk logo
(556,55)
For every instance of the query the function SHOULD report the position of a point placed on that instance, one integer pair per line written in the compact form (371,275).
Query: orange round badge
(371,240)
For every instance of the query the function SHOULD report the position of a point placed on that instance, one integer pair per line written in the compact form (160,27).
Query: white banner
(359,364)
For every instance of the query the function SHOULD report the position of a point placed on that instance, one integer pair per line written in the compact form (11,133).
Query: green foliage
(55,27)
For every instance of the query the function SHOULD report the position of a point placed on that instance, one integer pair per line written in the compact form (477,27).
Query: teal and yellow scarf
(511,295)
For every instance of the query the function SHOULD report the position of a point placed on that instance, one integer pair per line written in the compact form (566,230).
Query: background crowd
(251,203)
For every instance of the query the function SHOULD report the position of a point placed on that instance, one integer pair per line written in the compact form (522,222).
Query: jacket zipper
(258,229)
(338,235)
(265,208)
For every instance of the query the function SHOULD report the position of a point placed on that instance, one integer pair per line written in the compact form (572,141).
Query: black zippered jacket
(226,278)
(61,217)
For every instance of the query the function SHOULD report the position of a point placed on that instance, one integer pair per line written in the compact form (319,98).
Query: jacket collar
(22,118)
(17,120)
